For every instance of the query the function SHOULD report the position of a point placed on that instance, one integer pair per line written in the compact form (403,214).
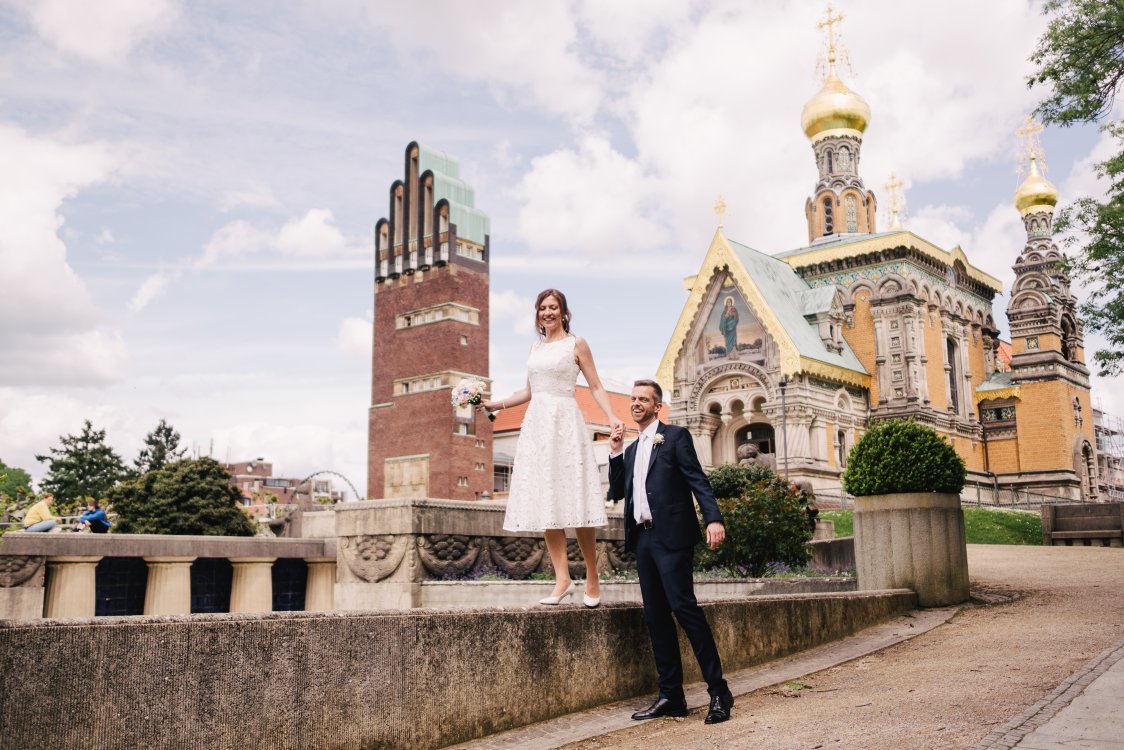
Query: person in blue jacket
(93,518)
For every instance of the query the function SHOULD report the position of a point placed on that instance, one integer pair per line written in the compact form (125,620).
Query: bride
(555,483)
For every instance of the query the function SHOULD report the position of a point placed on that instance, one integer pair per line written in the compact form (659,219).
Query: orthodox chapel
(796,353)
(783,359)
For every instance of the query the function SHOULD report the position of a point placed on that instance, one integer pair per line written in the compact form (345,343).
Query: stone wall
(364,680)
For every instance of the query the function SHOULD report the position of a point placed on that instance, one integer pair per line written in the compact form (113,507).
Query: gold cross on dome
(897,202)
(831,18)
(1033,147)
(720,210)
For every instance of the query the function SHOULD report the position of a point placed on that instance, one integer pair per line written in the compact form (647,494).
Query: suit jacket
(674,473)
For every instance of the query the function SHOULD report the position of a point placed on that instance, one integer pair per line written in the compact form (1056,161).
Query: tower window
(828,218)
(1077,420)
(830,165)
(953,376)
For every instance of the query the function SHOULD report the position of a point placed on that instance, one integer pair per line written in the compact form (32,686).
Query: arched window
(852,214)
(828,218)
(1088,472)
(953,375)
(830,165)
(841,448)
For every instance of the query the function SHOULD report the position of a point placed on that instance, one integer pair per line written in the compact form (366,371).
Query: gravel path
(1038,614)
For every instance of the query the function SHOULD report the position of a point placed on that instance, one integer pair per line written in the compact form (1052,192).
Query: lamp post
(784,425)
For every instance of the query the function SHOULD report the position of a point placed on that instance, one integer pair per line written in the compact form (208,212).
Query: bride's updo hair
(563,309)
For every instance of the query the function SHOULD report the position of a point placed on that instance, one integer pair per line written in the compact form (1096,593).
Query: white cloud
(32,420)
(52,332)
(256,196)
(310,240)
(355,336)
(151,288)
(701,123)
(520,50)
(586,203)
(105,31)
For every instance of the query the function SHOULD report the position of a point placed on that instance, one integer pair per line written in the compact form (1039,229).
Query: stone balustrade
(53,575)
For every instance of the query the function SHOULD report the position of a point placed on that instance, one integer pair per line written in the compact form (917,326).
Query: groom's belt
(646,525)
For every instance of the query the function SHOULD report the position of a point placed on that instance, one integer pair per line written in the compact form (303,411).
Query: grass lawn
(981,525)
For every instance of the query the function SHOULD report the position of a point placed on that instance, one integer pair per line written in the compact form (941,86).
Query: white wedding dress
(555,483)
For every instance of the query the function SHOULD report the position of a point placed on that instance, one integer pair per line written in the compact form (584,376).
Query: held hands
(616,436)
(715,534)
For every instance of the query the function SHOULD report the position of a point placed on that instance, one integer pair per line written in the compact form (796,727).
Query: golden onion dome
(835,107)
(1036,191)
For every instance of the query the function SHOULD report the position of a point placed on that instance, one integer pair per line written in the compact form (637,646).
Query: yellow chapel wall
(1003,455)
(860,337)
(1045,423)
(934,369)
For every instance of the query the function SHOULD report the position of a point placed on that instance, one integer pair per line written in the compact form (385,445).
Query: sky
(188,191)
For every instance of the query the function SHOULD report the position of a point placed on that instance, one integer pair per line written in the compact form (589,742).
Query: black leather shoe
(663,707)
(720,706)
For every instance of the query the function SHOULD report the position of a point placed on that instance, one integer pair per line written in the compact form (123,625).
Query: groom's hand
(616,438)
(715,534)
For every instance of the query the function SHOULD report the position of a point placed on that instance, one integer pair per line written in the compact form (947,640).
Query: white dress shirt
(640,510)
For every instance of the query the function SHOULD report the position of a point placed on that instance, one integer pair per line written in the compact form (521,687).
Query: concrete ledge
(416,679)
(161,545)
(446,594)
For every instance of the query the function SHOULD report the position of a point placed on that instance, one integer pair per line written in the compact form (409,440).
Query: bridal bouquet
(469,393)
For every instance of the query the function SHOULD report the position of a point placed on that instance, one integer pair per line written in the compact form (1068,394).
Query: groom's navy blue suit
(665,553)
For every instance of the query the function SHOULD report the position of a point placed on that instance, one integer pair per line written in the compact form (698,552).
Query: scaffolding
(1109,433)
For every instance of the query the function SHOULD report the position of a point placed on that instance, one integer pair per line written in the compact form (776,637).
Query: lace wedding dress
(555,483)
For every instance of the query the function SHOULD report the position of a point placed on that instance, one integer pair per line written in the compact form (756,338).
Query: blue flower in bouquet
(469,393)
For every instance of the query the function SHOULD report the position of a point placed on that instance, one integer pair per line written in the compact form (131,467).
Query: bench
(1092,524)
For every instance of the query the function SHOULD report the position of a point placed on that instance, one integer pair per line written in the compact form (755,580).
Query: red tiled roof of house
(512,419)
(1005,355)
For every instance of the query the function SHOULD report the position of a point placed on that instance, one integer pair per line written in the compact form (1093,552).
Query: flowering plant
(469,393)
(657,439)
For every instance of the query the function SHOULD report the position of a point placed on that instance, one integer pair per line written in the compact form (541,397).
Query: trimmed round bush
(903,456)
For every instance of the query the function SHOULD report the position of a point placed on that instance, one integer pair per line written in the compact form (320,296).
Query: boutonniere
(657,439)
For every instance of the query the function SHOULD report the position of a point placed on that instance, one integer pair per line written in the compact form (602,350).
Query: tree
(83,467)
(14,482)
(161,447)
(1081,58)
(766,524)
(190,496)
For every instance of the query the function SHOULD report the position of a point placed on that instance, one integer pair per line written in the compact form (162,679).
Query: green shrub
(733,481)
(191,496)
(903,456)
(766,525)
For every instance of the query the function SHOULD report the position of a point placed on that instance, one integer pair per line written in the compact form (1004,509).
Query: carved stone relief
(374,557)
(517,557)
(448,554)
(16,569)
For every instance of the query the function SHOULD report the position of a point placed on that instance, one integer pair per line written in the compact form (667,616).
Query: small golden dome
(1036,191)
(835,107)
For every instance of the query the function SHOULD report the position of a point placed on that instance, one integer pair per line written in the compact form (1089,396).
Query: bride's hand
(614,423)
(487,406)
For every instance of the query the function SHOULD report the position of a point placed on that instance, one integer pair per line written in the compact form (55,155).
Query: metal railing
(974,493)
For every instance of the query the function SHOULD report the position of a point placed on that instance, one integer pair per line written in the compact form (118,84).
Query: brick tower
(1053,413)
(431,330)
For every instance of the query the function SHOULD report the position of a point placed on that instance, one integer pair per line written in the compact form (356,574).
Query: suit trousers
(667,584)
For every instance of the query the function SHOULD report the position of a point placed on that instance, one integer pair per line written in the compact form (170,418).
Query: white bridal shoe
(558,599)
(593,602)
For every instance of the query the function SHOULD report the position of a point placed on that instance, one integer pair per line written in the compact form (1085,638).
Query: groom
(656,477)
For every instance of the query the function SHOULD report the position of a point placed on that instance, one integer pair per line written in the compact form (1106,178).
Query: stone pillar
(251,589)
(70,586)
(320,585)
(168,591)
